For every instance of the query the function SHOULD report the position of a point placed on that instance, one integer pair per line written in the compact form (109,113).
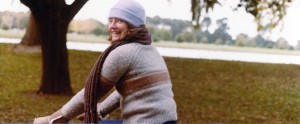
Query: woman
(133,67)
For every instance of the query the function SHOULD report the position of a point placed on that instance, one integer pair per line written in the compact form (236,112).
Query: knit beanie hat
(130,11)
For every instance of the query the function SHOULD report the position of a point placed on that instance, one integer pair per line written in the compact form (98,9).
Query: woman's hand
(81,117)
(56,117)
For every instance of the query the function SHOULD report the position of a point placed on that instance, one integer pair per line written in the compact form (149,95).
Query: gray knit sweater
(142,83)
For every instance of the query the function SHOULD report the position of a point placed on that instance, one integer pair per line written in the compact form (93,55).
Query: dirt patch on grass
(25,49)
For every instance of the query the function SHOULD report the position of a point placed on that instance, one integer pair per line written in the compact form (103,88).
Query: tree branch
(27,3)
(36,5)
(75,7)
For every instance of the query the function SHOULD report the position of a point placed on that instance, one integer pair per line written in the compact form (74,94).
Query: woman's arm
(108,105)
(74,106)
(71,109)
(111,103)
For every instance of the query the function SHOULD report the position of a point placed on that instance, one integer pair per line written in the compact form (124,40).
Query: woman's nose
(113,24)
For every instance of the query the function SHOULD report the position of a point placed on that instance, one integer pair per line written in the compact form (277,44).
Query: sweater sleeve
(118,62)
(114,67)
(75,106)
(108,105)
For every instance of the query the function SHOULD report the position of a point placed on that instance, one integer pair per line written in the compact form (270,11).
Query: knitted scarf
(91,96)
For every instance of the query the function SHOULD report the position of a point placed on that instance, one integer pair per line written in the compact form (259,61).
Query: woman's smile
(117,29)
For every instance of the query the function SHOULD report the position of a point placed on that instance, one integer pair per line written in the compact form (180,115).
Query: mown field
(206,91)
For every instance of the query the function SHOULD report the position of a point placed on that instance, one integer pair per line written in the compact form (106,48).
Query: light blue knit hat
(130,11)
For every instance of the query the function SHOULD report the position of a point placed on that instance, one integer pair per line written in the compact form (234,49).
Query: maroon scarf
(90,95)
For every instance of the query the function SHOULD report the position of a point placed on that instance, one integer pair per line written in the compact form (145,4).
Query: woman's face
(117,29)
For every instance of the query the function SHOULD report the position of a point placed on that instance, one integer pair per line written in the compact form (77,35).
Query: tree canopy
(268,13)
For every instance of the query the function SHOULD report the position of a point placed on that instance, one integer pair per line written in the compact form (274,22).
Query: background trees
(162,30)
(267,13)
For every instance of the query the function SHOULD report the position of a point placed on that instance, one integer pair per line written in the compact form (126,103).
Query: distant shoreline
(190,53)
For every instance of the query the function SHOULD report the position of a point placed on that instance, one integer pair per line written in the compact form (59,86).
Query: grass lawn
(206,91)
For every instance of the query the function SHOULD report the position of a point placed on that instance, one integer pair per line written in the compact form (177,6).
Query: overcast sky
(239,22)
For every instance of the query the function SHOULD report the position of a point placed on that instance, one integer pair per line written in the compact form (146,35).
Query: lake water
(190,53)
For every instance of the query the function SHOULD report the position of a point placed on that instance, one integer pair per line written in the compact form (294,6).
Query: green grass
(235,92)
(206,91)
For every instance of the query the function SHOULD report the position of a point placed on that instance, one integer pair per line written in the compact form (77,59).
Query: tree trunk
(32,36)
(52,18)
(31,41)
(55,77)
(52,28)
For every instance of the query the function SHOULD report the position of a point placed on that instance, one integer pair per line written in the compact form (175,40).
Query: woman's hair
(128,34)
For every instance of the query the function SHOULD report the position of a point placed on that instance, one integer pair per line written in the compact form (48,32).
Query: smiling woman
(137,71)
(117,29)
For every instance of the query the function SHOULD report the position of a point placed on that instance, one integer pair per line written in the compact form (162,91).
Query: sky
(238,21)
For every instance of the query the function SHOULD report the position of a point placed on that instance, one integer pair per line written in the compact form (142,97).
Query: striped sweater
(142,83)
